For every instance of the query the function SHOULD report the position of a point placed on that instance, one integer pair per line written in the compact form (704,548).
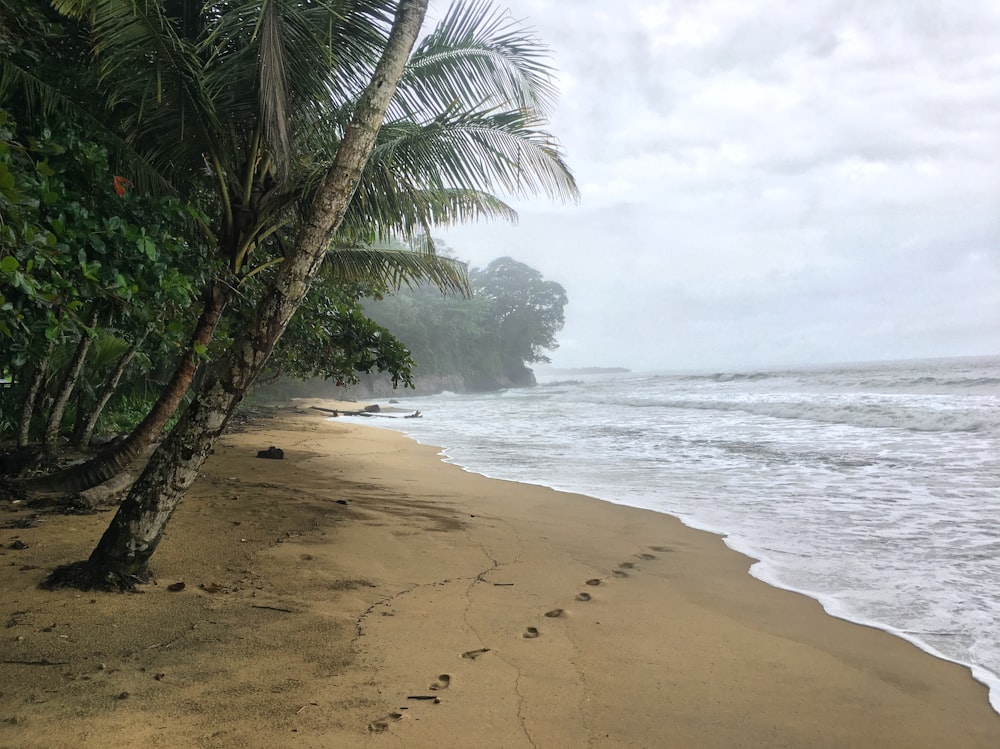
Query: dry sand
(362,593)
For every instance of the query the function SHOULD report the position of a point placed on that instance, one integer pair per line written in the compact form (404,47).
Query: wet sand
(360,592)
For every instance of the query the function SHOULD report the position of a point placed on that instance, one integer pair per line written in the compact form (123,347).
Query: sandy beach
(360,592)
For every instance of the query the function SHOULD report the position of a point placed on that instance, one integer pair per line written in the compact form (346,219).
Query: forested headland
(478,341)
(481,342)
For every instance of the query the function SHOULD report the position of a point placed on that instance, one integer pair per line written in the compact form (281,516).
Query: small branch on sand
(271,608)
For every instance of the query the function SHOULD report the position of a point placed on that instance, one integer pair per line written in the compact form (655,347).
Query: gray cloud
(769,182)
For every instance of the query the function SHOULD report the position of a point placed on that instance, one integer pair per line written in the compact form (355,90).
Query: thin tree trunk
(28,411)
(82,439)
(67,386)
(116,458)
(122,555)
(79,417)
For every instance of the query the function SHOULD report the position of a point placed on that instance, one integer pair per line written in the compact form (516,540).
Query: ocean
(873,488)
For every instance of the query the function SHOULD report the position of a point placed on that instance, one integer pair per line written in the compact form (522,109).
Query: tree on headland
(483,342)
(528,311)
(268,217)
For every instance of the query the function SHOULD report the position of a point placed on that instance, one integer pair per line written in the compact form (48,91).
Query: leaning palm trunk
(31,397)
(67,387)
(122,555)
(117,457)
(87,424)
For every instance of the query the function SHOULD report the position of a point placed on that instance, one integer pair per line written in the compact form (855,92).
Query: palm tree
(302,178)
(475,89)
(203,95)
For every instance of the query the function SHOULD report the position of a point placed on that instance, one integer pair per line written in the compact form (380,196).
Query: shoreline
(325,591)
(760,569)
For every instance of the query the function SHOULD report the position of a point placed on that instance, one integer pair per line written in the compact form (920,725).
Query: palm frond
(273,70)
(149,67)
(289,62)
(40,96)
(385,208)
(273,91)
(395,268)
(493,150)
(481,56)
(463,158)
(105,350)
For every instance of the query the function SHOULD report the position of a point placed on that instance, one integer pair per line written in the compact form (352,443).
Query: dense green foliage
(333,339)
(157,162)
(70,242)
(486,340)
(89,266)
(81,255)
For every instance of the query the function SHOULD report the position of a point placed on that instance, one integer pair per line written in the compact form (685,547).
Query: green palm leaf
(385,208)
(277,64)
(492,150)
(479,55)
(148,63)
(394,268)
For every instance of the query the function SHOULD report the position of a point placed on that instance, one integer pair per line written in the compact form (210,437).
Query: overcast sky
(768,183)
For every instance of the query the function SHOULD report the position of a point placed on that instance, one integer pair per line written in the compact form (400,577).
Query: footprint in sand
(531,633)
(473,654)
(381,726)
(594,581)
(646,556)
(583,597)
(619,573)
(554,614)
(442,683)
(661,548)
(627,565)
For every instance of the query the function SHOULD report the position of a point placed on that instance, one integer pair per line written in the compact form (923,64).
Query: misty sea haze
(874,488)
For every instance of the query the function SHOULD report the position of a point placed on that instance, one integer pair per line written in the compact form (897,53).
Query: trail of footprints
(443,681)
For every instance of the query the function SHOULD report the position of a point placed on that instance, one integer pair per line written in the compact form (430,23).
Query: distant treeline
(484,342)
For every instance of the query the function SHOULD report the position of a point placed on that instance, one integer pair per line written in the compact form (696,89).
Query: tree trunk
(82,439)
(67,386)
(122,556)
(28,411)
(79,418)
(116,458)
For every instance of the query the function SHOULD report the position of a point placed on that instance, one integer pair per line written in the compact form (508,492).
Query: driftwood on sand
(373,410)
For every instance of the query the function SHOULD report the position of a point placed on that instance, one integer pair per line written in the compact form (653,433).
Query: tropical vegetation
(210,163)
